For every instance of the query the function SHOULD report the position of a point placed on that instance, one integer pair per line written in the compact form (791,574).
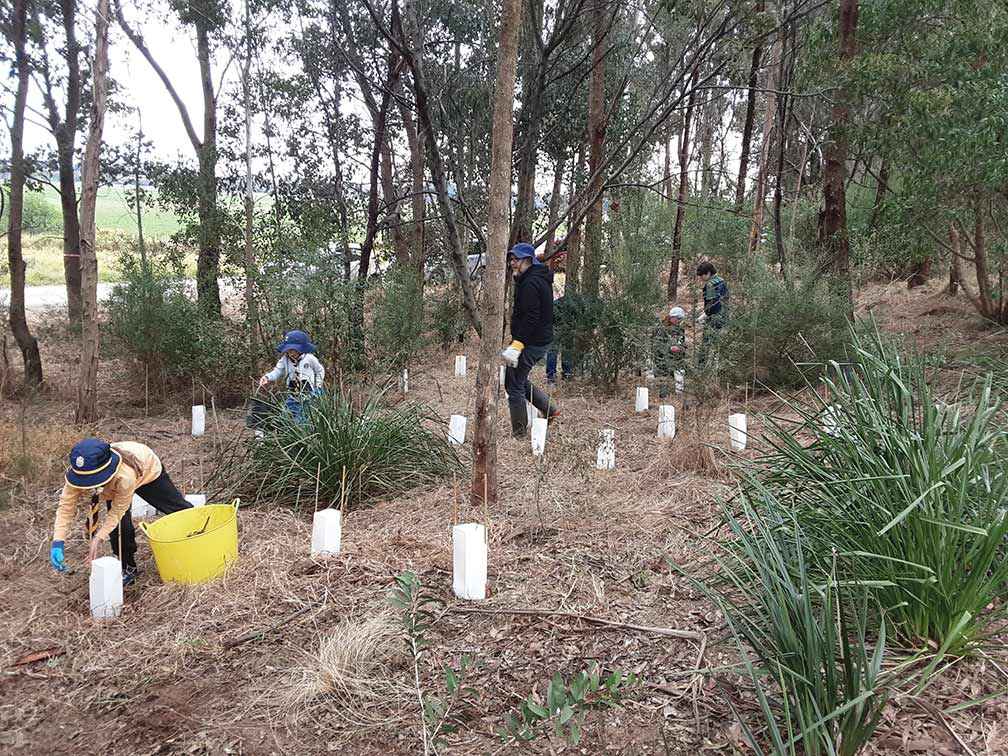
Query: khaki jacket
(119,491)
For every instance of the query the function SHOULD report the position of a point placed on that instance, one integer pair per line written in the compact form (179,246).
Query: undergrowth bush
(348,452)
(780,331)
(398,327)
(153,319)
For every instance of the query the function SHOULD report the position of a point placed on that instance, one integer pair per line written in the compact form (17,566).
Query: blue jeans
(566,364)
(516,379)
(297,404)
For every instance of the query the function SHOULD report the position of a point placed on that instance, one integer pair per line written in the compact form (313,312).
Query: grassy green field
(116,224)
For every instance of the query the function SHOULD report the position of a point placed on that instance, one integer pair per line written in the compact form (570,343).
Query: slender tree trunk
(759,195)
(71,228)
(750,118)
(596,135)
(18,320)
(834,230)
(418,199)
(554,206)
(484,481)
(251,315)
(955,265)
(880,191)
(572,280)
(208,261)
(141,244)
(783,111)
(680,217)
(534,85)
(87,392)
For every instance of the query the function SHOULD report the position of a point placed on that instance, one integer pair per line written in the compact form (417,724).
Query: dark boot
(519,419)
(546,406)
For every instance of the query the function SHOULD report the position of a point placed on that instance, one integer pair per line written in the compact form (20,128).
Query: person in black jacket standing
(531,336)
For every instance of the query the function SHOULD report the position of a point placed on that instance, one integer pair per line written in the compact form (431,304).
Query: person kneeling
(110,474)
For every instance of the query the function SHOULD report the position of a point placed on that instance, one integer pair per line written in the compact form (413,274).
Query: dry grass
(354,673)
(563,536)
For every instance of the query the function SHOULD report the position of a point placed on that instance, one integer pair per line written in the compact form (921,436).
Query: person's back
(532,316)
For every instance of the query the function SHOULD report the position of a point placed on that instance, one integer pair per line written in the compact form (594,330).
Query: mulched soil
(565,541)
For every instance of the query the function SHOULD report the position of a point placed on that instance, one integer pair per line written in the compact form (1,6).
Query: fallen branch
(667,631)
(255,634)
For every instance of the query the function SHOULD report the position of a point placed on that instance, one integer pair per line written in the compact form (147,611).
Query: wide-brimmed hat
(298,341)
(92,463)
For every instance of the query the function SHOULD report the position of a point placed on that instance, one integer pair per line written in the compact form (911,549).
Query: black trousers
(161,494)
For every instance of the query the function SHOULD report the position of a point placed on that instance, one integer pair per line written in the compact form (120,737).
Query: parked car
(440,271)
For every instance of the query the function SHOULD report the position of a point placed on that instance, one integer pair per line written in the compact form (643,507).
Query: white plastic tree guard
(503,370)
(532,413)
(404,381)
(457,429)
(641,404)
(831,421)
(327,532)
(680,381)
(606,457)
(469,561)
(198,420)
(539,426)
(197,500)
(140,509)
(737,431)
(666,421)
(106,588)
(460,366)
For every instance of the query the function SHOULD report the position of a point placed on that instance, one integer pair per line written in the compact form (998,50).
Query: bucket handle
(143,525)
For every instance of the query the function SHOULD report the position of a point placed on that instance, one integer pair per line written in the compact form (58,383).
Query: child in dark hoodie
(531,336)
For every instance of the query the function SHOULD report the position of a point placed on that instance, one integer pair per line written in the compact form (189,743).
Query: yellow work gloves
(512,352)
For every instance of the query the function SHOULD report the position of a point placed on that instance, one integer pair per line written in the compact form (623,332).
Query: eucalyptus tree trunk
(87,390)
(484,480)
(596,145)
(18,320)
(750,118)
(680,216)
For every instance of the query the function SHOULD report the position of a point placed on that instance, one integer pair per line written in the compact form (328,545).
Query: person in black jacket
(531,336)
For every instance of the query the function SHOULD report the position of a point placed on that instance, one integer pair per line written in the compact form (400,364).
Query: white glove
(512,352)
(701,318)
(263,381)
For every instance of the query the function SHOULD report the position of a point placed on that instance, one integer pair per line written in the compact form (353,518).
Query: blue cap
(298,341)
(92,463)
(522,251)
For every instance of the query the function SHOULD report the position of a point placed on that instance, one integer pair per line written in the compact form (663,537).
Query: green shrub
(349,453)
(907,492)
(780,331)
(38,214)
(152,318)
(397,331)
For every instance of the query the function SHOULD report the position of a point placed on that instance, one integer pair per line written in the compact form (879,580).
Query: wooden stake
(146,390)
(342,496)
(318,475)
(455,505)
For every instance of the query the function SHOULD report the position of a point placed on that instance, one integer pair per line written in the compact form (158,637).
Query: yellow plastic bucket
(194,545)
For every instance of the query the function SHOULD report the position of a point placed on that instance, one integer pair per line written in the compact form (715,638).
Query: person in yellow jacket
(109,474)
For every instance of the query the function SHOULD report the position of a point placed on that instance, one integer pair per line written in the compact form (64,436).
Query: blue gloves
(56,556)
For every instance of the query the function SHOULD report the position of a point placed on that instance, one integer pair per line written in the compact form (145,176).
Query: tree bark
(18,319)
(208,258)
(683,194)
(554,206)
(533,90)
(251,314)
(596,136)
(759,194)
(880,191)
(572,280)
(87,391)
(750,117)
(834,229)
(484,481)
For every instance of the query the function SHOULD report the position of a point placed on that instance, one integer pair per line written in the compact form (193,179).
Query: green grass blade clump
(357,453)
(819,685)
(906,491)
